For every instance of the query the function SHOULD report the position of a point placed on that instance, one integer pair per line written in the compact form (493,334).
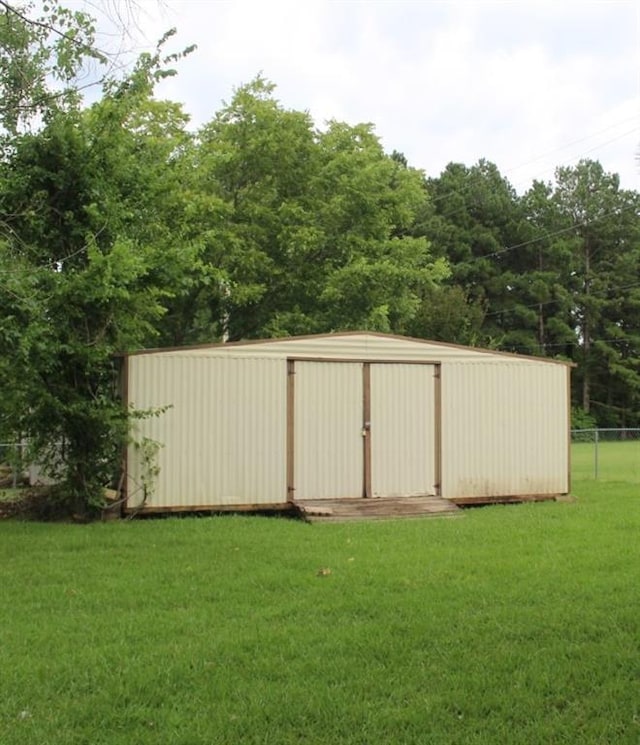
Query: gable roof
(312,342)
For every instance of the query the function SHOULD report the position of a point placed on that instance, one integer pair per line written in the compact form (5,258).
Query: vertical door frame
(366,430)
(291,404)
(125,365)
(366,417)
(437,435)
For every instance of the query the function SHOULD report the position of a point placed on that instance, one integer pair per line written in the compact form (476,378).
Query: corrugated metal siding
(328,448)
(504,421)
(402,430)
(505,429)
(223,437)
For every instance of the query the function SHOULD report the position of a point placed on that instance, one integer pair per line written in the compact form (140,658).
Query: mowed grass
(514,624)
(616,461)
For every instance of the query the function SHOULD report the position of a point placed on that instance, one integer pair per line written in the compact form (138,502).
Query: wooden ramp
(382,508)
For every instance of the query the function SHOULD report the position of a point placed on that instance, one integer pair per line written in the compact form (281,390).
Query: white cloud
(528,85)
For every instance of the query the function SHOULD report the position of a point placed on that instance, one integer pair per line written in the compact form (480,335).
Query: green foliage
(549,273)
(446,314)
(89,260)
(61,373)
(148,454)
(580,419)
(43,49)
(474,213)
(304,229)
(603,238)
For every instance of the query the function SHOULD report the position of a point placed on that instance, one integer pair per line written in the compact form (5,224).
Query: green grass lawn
(511,625)
(616,461)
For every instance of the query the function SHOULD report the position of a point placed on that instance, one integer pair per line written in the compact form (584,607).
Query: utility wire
(595,293)
(53,264)
(547,236)
(471,175)
(535,159)
(466,187)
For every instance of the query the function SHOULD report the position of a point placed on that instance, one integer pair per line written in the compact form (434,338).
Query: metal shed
(264,424)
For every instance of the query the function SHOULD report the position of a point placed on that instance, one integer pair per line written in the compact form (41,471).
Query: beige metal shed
(259,425)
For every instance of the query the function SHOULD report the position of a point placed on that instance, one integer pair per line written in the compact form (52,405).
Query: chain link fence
(603,454)
(606,454)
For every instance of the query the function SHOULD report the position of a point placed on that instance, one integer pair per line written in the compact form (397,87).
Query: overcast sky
(527,85)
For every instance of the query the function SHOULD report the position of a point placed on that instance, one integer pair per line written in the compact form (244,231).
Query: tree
(604,225)
(446,314)
(376,271)
(473,221)
(543,268)
(88,263)
(304,228)
(41,57)
(254,162)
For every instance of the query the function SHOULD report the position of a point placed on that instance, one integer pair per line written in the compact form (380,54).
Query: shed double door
(361,429)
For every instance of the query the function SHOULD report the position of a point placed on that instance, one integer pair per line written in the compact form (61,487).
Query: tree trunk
(541,343)
(541,330)
(586,332)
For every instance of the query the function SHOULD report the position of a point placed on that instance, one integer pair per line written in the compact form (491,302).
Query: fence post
(596,453)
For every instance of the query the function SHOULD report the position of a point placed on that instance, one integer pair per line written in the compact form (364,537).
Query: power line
(581,155)
(633,118)
(561,300)
(465,191)
(52,264)
(576,343)
(472,175)
(547,236)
